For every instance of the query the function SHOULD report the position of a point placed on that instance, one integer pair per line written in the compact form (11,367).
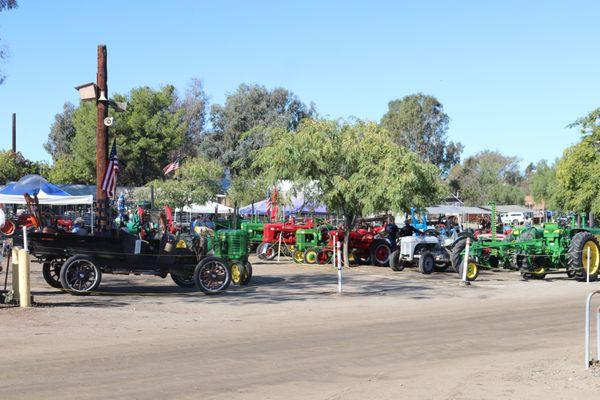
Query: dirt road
(289,336)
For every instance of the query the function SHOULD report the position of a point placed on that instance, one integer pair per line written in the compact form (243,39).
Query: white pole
(466,260)
(333,258)
(92,217)
(588,265)
(279,246)
(15,271)
(26,248)
(339,266)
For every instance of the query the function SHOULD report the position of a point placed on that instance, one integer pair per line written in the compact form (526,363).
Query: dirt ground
(391,335)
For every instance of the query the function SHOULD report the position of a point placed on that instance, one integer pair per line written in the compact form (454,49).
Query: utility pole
(14,132)
(101,140)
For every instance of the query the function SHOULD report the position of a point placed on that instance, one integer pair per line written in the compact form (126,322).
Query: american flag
(274,207)
(109,184)
(172,166)
(269,205)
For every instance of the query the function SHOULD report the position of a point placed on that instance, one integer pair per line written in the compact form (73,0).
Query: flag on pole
(274,208)
(109,184)
(268,211)
(172,166)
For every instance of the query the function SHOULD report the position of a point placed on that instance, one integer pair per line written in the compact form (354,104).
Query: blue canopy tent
(47,193)
(298,206)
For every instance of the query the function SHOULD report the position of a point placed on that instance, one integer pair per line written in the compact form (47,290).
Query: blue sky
(510,74)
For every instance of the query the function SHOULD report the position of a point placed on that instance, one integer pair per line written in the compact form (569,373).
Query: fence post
(24,288)
(466,261)
(25,247)
(15,271)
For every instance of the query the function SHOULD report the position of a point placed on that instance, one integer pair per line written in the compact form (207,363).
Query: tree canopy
(149,135)
(487,176)
(15,166)
(239,125)
(197,181)
(419,123)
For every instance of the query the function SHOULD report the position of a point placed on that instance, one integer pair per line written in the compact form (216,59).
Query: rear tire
(310,256)
(51,272)
(578,249)
(184,279)
(380,253)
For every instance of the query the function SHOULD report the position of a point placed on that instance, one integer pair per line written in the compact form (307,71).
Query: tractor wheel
(298,256)
(260,251)
(247,277)
(581,244)
(426,263)
(442,267)
(324,256)
(472,270)
(455,257)
(536,273)
(395,263)
(51,272)
(212,275)
(269,252)
(237,272)
(380,253)
(310,256)
(79,275)
(184,279)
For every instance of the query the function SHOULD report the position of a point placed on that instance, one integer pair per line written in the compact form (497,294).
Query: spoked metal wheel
(79,275)
(184,279)
(51,272)
(212,275)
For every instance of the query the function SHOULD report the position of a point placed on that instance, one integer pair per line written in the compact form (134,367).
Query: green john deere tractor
(232,245)
(537,252)
(309,246)
(255,232)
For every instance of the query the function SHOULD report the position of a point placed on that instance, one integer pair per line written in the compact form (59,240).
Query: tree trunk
(348,220)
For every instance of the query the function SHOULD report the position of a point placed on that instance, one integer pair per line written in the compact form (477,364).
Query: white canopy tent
(209,208)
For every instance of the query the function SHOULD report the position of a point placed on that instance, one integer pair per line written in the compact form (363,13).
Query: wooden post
(24,288)
(101,139)
(14,132)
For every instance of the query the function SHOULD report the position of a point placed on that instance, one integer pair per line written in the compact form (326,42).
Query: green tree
(61,134)
(488,176)
(543,184)
(355,168)
(240,123)
(15,166)
(149,135)
(196,182)
(419,123)
(194,105)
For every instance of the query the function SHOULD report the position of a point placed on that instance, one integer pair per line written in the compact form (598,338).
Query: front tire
(212,275)
(426,263)
(79,275)
(311,256)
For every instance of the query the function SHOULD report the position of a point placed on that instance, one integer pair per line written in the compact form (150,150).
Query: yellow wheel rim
(298,256)
(472,270)
(594,252)
(311,256)
(539,271)
(236,274)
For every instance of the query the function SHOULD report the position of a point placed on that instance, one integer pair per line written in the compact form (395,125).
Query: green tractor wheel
(582,244)
(472,270)
(310,256)
(241,273)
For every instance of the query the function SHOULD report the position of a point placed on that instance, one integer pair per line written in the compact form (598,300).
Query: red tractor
(365,246)
(269,248)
